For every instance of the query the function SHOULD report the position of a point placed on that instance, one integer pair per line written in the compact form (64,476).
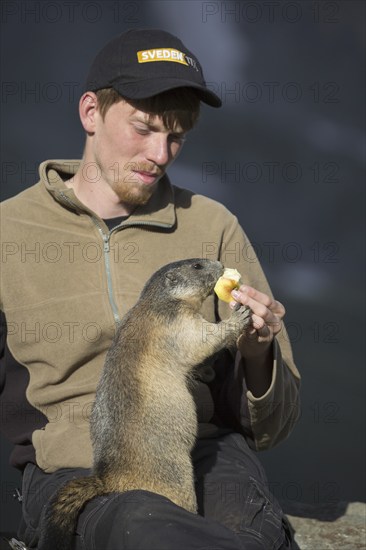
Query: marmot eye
(197,266)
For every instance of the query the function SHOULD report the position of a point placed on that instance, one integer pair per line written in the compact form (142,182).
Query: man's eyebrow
(152,126)
(140,118)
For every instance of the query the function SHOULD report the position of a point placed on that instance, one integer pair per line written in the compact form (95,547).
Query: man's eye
(141,130)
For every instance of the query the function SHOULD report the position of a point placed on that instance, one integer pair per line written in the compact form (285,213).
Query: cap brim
(147,88)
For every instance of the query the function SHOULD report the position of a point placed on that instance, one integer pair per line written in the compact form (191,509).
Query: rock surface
(330,526)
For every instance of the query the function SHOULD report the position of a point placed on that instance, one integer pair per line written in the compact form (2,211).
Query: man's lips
(147,177)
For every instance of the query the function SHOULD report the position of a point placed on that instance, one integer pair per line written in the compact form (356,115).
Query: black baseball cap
(141,63)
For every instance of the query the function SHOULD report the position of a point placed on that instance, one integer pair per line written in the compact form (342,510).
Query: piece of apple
(229,280)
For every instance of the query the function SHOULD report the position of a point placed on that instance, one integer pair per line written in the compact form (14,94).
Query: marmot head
(186,280)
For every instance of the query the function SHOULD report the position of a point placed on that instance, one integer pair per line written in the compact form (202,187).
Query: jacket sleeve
(3,333)
(268,419)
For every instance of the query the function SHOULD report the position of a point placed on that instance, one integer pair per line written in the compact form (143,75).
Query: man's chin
(135,196)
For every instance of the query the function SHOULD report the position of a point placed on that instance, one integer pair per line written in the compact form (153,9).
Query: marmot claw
(242,313)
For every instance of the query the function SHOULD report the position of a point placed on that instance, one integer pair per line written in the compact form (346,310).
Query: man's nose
(159,151)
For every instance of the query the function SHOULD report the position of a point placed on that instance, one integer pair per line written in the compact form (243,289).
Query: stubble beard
(127,187)
(132,192)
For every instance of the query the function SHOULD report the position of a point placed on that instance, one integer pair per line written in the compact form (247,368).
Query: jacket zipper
(106,249)
(107,263)
(106,252)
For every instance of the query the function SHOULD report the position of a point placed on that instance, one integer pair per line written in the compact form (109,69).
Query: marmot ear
(172,278)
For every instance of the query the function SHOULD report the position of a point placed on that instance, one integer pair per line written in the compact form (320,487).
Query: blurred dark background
(285,154)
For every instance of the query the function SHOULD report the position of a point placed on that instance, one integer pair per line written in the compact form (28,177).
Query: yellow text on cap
(162,54)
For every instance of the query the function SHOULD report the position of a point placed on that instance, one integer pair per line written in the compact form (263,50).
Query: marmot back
(144,423)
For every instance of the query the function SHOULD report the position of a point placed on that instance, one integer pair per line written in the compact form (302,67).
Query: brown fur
(144,424)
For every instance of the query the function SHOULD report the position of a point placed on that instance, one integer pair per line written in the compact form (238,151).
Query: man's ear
(87,110)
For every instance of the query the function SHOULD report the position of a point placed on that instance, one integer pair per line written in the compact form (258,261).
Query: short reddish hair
(179,106)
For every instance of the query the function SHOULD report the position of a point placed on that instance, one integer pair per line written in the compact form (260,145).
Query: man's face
(132,152)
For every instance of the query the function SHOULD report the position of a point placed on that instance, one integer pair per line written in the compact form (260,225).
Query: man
(77,249)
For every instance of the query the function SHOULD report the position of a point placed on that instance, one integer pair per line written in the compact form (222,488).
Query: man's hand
(255,344)
(266,321)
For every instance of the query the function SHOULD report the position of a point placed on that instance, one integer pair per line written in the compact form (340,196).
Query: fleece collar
(159,211)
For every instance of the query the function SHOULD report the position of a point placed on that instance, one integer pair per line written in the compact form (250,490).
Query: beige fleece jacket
(66,281)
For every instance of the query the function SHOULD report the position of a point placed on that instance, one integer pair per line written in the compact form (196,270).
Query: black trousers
(236,510)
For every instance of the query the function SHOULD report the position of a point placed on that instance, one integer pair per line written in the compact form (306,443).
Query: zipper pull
(106,242)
